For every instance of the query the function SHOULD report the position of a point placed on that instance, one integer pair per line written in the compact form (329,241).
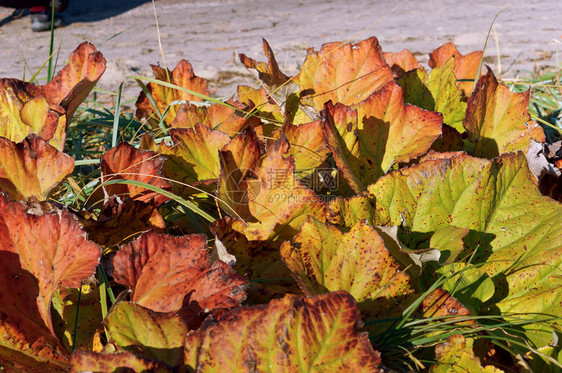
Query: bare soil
(210,34)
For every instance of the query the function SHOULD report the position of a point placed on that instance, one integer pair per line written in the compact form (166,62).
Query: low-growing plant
(365,214)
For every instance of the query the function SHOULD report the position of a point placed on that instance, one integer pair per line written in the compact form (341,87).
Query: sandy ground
(210,34)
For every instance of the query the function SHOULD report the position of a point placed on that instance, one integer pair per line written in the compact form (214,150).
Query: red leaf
(162,270)
(316,334)
(129,163)
(52,247)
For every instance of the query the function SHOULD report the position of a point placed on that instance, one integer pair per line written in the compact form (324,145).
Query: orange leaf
(227,119)
(266,194)
(466,67)
(32,168)
(27,343)
(344,73)
(87,361)
(129,163)
(74,82)
(367,139)
(316,334)
(308,145)
(498,120)
(269,73)
(52,247)
(182,76)
(401,62)
(162,270)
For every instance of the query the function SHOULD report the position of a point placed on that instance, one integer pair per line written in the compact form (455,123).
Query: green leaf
(514,230)
(437,91)
(158,335)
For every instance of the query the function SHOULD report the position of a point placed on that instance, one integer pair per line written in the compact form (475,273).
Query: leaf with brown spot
(316,334)
(162,270)
(498,120)
(513,234)
(367,139)
(324,258)
(182,76)
(87,361)
(440,303)
(466,66)
(125,162)
(32,168)
(401,62)
(345,73)
(193,159)
(119,223)
(347,211)
(52,247)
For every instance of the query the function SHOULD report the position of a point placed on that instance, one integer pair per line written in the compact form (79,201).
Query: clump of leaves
(365,214)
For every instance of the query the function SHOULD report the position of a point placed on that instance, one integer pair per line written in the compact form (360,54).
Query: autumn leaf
(125,162)
(466,66)
(230,118)
(401,62)
(22,114)
(46,110)
(86,361)
(456,355)
(308,146)
(439,303)
(498,121)
(345,73)
(159,336)
(26,343)
(367,139)
(52,247)
(513,229)
(317,334)
(436,91)
(79,316)
(264,193)
(118,223)
(74,82)
(161,270)
(32,168)
(259,98)
(323,258)
(193,158)
(182,76)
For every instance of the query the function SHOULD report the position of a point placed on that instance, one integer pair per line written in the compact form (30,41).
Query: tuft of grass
(545,105)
